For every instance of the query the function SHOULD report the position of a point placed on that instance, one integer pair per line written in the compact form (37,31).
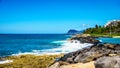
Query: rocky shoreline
(104,55)
(99,55)
(85,38)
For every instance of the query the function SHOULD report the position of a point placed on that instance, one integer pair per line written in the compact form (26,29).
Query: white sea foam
(6,61)
(100,40)
(66,47)
(37,53)
(69,46)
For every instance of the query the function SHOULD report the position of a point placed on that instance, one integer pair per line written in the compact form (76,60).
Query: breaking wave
(65,47)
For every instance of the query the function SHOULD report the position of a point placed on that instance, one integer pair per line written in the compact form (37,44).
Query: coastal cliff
(97,56)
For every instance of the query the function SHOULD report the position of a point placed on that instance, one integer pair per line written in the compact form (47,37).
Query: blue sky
(55,16)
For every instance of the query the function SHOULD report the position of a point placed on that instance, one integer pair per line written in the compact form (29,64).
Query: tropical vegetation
(112,28)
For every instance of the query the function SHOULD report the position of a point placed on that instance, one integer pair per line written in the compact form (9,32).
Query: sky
(55,16)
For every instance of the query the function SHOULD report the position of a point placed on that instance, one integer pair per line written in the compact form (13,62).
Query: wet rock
(86,39)
(2,58)
(109,45)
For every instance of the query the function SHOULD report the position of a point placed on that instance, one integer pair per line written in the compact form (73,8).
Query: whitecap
(66,47)
(100,40)
(69,46)
(6,61)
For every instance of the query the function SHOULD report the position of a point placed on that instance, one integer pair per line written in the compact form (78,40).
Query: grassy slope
(105,35)
(30,61)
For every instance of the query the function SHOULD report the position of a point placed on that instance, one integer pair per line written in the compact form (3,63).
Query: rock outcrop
(112,23)
(104,55)
(94,53)
(85,38)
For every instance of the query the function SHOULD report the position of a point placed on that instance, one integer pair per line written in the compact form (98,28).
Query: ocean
(11,44)
(39,44)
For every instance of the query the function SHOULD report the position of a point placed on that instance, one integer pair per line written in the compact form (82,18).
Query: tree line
(98,29)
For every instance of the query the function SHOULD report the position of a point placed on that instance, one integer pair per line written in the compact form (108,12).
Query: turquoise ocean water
(13,44)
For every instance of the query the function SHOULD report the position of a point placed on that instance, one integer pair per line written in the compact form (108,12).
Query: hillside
(110,28)
(73,31)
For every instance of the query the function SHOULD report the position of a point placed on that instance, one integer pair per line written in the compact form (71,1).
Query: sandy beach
(80,65)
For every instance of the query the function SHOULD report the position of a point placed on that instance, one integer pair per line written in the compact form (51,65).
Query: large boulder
(108,62)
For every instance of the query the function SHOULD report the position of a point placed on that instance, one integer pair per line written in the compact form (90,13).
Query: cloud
(85,25)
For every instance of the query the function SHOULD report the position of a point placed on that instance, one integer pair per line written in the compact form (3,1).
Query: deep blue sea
(23,43)
(14,44)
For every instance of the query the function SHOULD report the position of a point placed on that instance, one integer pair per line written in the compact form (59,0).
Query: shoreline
(47,60)
(99,53)
(116,37)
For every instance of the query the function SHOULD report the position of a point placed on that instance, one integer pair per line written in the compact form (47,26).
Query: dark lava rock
(88,39)
(91,53)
